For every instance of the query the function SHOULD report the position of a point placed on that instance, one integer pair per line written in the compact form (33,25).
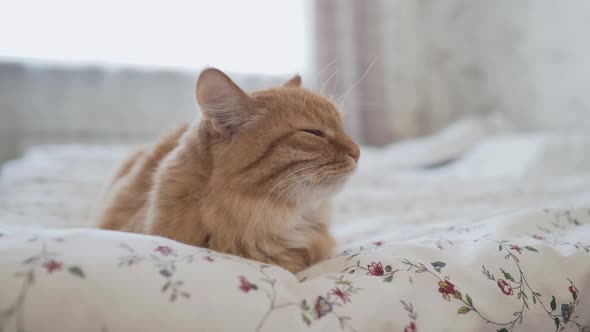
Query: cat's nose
(355,153)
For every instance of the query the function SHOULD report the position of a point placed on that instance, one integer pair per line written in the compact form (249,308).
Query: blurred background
(123,71)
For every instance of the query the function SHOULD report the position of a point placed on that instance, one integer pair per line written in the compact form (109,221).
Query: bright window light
(239,36)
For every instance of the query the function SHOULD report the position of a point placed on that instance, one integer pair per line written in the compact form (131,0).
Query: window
(265,37)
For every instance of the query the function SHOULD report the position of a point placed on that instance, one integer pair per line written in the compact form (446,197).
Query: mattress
(461,231)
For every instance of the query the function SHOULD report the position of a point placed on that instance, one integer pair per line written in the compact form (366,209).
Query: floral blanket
(526,271)
(425,245)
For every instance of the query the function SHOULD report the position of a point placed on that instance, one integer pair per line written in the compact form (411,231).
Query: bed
(466,230)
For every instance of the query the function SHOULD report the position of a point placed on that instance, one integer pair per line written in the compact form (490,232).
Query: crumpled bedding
(492,234)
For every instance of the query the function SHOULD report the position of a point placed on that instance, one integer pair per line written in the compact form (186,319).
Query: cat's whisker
(334,89)
(291,190)
(296,180)
(264,207)
(323,180)
(327,81)
(308,183)
(319,187)
(357,82)
(287,178)
(327,66)
(293,186)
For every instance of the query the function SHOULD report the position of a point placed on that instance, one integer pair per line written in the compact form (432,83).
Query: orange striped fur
(253,178)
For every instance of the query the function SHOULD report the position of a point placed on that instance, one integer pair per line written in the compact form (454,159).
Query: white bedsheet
(498,240)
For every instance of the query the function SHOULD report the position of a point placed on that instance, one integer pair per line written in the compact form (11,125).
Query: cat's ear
(221,100)
(294,82)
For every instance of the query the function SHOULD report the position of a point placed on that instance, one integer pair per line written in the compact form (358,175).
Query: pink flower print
(505,287)
(516,248)
(52,265)
(164,250)
(246,285)
(447,288)
(322,307)
(410,328)
(345,297)
(375,269)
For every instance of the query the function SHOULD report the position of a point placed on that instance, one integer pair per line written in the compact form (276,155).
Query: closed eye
(315,132)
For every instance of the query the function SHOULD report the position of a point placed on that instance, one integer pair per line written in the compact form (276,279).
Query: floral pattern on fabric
(45,263)
(507,285)
(486,277)
(165,262)
(312,309)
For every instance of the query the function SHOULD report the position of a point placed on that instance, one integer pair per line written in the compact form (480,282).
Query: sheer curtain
(426,63)
(347,60)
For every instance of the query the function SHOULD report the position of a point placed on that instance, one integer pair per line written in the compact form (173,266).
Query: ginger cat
(253,178)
